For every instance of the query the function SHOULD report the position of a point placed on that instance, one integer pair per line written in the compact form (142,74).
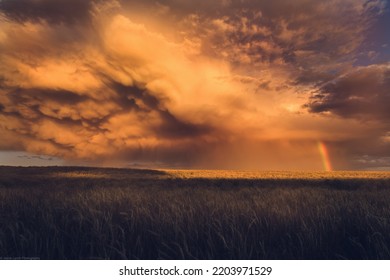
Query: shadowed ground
(92,213)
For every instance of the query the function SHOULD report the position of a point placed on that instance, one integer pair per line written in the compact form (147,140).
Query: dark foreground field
(89,213)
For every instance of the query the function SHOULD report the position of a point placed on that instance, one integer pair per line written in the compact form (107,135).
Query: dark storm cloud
(272,9)
(21,95)
(182,81)
(48,106)
(271,30)
(362,94)
(310,77)
(53,11)
(131,94)
(32,96)
(172,127)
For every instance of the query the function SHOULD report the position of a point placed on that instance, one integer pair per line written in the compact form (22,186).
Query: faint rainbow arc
(324,156)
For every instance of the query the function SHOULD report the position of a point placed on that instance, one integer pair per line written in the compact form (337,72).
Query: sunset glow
(195,84)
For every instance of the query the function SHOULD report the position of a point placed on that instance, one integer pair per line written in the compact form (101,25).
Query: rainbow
(324,156)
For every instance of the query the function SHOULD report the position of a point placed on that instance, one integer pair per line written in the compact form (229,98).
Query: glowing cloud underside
(195,84)
(324,156)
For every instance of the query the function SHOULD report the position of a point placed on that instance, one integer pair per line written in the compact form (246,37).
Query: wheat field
(96,213)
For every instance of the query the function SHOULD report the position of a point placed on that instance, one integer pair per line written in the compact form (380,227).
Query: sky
(224,84)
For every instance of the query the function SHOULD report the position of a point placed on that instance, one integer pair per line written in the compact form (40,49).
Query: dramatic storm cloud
(207,84)
(67,11)
(363,93)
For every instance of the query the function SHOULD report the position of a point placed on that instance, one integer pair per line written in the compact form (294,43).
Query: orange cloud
(202,90)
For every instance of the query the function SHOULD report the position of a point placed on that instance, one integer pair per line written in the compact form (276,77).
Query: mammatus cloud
(225,84)
(114,94)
